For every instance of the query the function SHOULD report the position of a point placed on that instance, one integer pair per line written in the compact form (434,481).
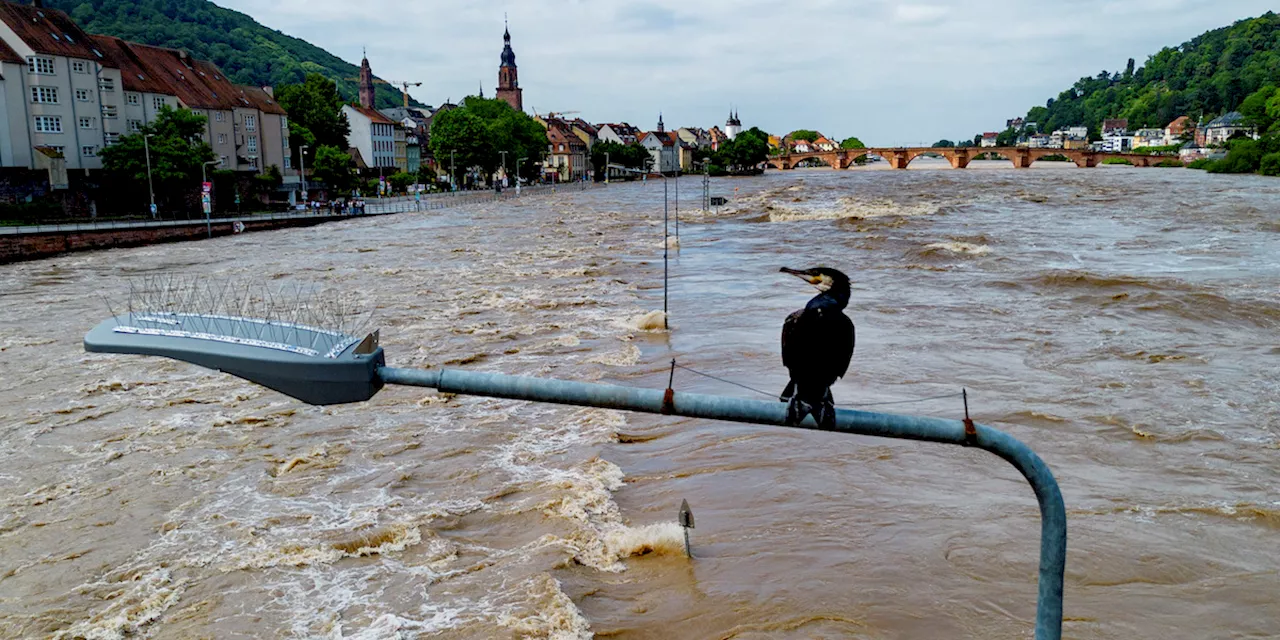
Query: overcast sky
(889,72)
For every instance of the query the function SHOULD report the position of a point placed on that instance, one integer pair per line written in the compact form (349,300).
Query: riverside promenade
(31,242)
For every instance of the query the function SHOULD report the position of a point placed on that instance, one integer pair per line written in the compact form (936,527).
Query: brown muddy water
(1125,323)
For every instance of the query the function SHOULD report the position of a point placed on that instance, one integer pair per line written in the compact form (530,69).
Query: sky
(889,72)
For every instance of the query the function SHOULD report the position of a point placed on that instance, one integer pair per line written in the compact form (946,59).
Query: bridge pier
(958,159)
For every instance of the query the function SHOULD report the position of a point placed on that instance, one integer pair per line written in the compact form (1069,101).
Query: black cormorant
(817,345)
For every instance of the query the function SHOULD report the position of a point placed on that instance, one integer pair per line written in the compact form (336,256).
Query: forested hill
(1207,76)
(246,51)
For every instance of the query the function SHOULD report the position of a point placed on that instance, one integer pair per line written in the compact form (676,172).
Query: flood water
(1125,323)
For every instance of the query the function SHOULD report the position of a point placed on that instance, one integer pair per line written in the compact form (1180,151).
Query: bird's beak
(804,275)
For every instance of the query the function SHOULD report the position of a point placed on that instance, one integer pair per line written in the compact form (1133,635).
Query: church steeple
(661,127)
(508,76)
(366,82)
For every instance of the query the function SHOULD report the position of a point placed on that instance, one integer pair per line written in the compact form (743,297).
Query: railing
(373,206)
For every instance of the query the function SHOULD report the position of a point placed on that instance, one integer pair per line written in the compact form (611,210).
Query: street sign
(207,187)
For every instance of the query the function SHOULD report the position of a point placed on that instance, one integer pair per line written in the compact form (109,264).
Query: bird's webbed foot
(788,393)
(797,409)
(825,413)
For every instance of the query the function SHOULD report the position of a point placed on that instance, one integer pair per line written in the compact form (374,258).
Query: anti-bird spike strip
(325,366)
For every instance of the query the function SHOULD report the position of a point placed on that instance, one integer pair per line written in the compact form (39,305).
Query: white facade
(662,151)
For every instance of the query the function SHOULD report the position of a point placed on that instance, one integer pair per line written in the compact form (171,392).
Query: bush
(400,181)
(1202,163)
(1245,156)
(1270,164)
(1169,162)
(1117,161)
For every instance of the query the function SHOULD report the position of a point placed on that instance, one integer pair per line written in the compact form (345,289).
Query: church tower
(508,82)
(366,84)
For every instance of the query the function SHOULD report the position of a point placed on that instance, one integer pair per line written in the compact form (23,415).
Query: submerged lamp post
(321,367)
(207,206)
(146,148)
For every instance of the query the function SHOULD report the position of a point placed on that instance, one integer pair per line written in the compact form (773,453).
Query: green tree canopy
(315,115)
(802,134)
(333,167)
(632,156)
(852,143)
(173,145)
(1208,75)
(745,151)
(478,131)
(944,143)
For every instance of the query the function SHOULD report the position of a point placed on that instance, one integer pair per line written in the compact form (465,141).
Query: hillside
(246,51)
(1208,75)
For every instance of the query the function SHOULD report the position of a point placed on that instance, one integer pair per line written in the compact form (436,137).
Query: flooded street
(1122,322)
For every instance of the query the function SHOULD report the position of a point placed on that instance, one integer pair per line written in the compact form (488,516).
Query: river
(1122,322)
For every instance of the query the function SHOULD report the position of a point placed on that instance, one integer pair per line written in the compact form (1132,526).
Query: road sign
(207,187)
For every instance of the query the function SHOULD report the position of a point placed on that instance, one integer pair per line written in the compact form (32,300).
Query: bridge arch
(852,155)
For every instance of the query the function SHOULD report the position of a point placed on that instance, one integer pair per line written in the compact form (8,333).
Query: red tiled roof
(48,31)
(7,54)
(373,115)
(260,99)
(134,73)
(197,83)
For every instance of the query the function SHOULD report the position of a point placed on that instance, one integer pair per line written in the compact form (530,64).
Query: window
(220,116)
(83,95)
(251,144)
(79,66)
(111,138)
(40,65)
(86,122)
(133,99)
(222,138)
(287,163)
(135,126)
(48,124)
(157,102)
(250,123)
(89,151)
(107,84)
(44,95)
(109,111)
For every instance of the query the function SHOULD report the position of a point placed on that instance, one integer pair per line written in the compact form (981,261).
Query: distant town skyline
(887,72)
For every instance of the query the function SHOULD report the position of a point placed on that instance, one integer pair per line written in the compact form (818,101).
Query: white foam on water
(132,607)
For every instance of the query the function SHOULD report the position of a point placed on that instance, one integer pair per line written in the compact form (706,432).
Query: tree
(803,134)
(333,167)
(632,156)
(476,132)
(744,152)
(852,143)
(315,115)
(1254,107)
(944,143)
(400,181)
(176,151)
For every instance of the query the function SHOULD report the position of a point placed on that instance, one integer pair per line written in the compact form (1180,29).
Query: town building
(1039,141)
(508,77)
(79,93)
(1148,137)
(989,139)
(732,126)
(372,138)
(1221,129)
(1180,127)
(684,151)
(698,138)
(824,143)
(620,133)
(662,149)
(802,146)
(1114,125)
(567,154)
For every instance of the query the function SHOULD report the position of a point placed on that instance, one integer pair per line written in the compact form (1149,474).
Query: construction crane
(404,86)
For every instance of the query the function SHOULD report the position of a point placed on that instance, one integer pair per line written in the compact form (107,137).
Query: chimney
(269,91)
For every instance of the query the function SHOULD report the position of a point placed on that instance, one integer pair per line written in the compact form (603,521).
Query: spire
(661,128)
(506,29)
(366,81)
(481,83)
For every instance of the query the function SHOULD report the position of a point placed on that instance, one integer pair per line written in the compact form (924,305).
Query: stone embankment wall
(32,246)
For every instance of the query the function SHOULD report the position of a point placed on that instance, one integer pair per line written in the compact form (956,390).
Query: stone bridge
(959,157)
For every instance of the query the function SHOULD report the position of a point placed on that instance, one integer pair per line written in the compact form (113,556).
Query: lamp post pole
(302,170)
(504,163)
(146,146)
(606,167)
(518,175)
(208,223)
(452,183)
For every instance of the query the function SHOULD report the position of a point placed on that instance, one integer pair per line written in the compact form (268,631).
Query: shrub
(1270,164)
(1169,162)
(1202,163)
(1117,161)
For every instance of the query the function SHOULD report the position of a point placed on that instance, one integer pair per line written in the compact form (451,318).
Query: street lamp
(504,163)
(302,170)
(452,181)
(208,224)
(150,189)
(518,175)
(606,167)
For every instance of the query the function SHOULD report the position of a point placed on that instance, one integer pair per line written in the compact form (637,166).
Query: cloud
(886,71)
